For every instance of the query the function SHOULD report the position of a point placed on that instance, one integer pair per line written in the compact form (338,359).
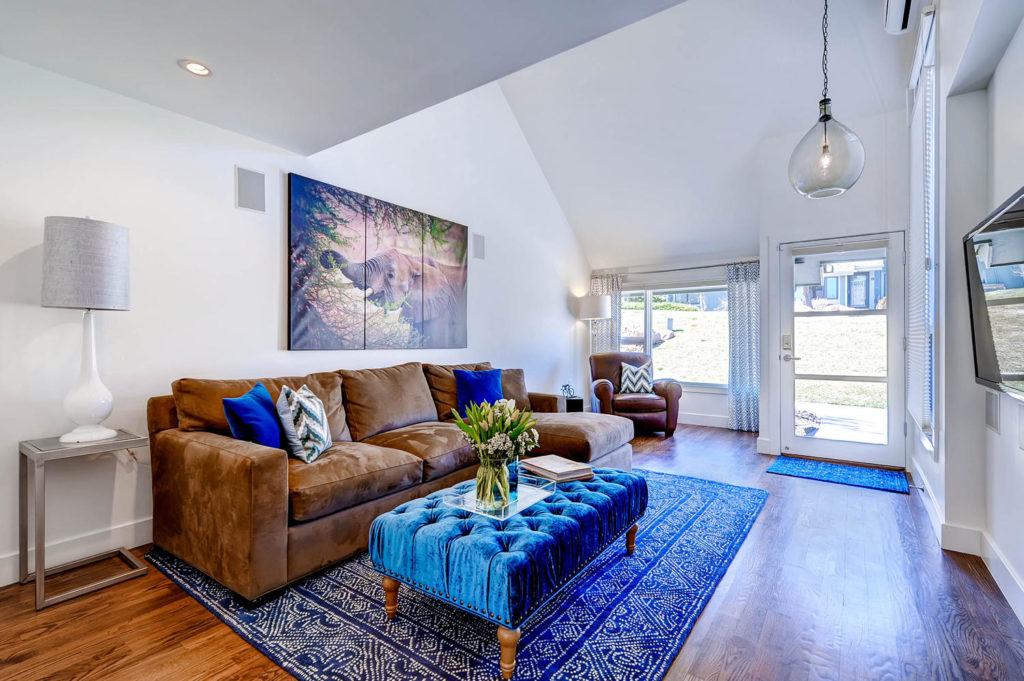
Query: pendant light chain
(829,159)
(824,53)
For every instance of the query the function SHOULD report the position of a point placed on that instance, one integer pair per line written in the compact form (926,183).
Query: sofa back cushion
(377,400)
(441,379)
(199,401)
(513,387)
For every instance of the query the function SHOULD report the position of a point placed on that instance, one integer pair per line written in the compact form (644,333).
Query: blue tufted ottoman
(503,570)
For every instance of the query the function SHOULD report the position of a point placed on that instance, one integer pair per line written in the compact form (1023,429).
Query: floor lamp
(85,267)
(590,308)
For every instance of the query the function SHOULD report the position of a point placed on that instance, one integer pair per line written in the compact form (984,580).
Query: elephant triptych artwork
(368,274)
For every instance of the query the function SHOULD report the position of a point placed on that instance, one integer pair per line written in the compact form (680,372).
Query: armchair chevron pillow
(304,422)
(636,379)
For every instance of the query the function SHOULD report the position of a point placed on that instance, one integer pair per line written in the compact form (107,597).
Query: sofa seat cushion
(348,474)
(438,444)
(634,402)
(581,436)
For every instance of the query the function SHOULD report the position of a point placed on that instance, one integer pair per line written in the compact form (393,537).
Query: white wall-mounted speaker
(479,248)
(250,190)
(992,410)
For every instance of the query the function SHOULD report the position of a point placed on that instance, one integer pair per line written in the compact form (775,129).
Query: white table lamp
(86,267)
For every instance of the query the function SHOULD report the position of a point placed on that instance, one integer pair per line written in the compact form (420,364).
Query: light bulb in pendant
(826,158)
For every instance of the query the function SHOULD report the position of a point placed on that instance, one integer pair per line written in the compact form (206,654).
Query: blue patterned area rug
(623,618)
(855,476)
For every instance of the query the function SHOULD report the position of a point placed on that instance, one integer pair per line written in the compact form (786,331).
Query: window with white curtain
(922,240)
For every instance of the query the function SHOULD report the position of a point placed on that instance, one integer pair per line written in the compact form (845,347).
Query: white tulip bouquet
(499,433)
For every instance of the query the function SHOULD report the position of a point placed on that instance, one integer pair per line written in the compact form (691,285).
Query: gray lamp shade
(85,264)
(595,307)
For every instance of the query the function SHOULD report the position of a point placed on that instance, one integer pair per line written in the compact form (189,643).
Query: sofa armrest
(221,504)
(601,399)
(671,391)
(547,403)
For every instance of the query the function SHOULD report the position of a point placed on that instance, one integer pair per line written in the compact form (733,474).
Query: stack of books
(557,468)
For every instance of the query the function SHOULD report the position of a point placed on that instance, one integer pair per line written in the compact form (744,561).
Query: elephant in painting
(397,280)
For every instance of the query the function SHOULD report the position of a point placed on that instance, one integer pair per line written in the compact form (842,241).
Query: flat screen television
(994,252)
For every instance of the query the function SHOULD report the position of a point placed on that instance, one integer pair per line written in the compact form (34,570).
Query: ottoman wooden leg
(631,540)
(508,638)
(390,597)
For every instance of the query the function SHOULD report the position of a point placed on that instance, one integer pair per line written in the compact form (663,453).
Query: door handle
(790,358)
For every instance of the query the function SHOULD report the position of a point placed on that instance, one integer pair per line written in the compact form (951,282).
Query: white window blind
(921,239)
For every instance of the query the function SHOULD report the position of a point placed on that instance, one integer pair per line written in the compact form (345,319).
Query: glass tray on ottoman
(531,490)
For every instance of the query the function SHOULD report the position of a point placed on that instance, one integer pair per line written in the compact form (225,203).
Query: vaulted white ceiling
(646,121)
(302,75)
(649,136)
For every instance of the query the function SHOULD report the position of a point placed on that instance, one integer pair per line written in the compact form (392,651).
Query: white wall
(963,161)
(877,203)
(1003,546)
(208,281)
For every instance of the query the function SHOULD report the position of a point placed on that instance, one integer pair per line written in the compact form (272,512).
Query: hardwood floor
(833,582)
(836,582)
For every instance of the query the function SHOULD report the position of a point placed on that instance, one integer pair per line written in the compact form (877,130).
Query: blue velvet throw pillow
(477,386)
(253,417)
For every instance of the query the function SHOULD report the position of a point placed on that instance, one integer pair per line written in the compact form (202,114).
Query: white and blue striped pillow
(636,379)
(304,421)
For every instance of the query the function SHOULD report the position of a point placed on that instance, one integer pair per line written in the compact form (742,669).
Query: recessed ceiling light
(194,67)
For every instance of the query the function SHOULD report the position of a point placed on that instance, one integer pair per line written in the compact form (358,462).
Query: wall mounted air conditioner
(897,15)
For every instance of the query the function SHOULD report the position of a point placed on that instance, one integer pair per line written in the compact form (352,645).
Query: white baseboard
(961,539)
(931,504)
(764,446)
(60,551)
(1009,582)
(713,420)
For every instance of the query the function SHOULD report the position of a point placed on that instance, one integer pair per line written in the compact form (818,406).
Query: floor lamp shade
(595,307)
(86,267)
(85,264)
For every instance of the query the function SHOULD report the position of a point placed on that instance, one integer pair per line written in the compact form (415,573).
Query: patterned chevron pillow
(304,421)
(636,379)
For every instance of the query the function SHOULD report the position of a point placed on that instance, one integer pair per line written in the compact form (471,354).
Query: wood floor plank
(833,583)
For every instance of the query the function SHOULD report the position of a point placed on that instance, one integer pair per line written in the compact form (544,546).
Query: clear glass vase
(492,484)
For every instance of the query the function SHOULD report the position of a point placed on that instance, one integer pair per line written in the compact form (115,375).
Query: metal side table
(36,454)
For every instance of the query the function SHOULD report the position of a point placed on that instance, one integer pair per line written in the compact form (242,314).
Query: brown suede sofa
(255,519)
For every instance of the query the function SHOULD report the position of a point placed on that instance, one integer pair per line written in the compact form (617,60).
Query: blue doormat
(623,617)
(856,476)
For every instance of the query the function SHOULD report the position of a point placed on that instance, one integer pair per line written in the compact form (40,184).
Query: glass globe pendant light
(830,157)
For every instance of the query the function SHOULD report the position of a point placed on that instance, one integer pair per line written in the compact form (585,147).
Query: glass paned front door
(841,358)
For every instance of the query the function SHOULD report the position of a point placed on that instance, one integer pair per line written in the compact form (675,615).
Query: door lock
(790,358)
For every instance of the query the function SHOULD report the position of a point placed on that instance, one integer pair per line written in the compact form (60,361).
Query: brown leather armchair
(650,411)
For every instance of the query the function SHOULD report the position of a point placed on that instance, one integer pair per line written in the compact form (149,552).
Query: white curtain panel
(744,344)
(605,332)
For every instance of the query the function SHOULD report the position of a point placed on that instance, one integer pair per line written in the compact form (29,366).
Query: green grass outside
(699,352)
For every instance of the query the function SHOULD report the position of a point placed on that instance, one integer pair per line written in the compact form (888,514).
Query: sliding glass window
(685,330)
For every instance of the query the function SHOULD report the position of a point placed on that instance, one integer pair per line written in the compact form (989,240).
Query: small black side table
(38,453)
(574,404)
